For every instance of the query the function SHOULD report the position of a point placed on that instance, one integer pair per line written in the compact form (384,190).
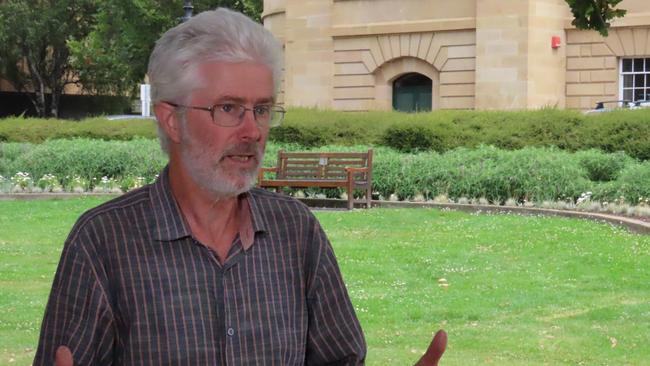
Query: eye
(227,108)
(262,110)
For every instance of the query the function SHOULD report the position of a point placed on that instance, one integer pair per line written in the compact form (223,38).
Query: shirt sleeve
(78,314)
(334,333)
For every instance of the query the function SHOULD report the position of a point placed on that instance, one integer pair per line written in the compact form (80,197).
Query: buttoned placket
(226,329)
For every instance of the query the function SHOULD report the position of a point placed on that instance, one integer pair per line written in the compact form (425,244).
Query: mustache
(243,148)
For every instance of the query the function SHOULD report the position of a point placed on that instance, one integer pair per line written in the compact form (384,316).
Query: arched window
(412,93)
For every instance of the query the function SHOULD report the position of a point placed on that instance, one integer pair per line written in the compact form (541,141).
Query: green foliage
(34,53)
(38,130)
(625,130)
(601,166)
(308,136)
(410,138)
(88,159)
(9,153)
(595,14)
(622,130)
(634,183)
(319,127)
(113,57)
(530,174)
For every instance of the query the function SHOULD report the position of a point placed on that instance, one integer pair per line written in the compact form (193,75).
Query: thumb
(63,357)
(435,350)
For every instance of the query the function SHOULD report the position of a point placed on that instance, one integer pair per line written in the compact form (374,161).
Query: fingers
(63,357)
(435,350)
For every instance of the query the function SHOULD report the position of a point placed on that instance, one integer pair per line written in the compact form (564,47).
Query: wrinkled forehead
(242,82)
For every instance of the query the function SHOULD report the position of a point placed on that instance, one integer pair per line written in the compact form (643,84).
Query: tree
(34,54)
(113,57)
(595,14)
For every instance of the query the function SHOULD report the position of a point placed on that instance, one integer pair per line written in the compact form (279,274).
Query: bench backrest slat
(321,165)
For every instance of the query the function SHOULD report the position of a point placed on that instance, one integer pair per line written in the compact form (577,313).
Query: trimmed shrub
(408,139)
(603,167)
(485,172)
(36,130)
(625,130)
(302,136)
(635,183)
(90,159)
(622,130)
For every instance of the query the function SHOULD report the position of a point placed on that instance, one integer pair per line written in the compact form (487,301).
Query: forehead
(247,81)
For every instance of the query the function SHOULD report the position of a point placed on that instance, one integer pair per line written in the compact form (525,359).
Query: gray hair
(220,35)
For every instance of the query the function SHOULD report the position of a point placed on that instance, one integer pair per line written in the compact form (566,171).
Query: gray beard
(208,173)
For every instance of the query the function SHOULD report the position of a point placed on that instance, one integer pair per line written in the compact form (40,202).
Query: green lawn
(521,290)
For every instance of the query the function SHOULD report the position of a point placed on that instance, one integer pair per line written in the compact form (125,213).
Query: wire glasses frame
(232,114)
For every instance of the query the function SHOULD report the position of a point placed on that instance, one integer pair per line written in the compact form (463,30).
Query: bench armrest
(260,173)
(356,170)
(352,171)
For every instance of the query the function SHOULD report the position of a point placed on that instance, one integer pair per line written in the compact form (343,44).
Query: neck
(207,214)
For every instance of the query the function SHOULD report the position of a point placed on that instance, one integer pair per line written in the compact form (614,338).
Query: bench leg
(350,194)
(369,197)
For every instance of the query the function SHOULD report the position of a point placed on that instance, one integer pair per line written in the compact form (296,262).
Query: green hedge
(87,158)
(36,130)
(624,130)
(529,174)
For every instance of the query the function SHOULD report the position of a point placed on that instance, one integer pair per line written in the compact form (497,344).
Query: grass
(522,290)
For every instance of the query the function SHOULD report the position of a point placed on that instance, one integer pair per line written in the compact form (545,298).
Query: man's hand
(63,357)
(435,350)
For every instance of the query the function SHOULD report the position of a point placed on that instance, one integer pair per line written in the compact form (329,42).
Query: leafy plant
(34,51)
(595,14)
(603,167)
(410,138)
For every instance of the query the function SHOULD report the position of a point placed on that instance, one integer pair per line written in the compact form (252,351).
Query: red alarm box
(555,42)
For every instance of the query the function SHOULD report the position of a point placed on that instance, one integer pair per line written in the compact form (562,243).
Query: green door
(412,93)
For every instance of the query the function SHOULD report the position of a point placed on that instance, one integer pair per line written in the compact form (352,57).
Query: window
(412,93)
(635,79)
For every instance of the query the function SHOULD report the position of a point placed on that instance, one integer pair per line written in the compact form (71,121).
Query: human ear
(168,120)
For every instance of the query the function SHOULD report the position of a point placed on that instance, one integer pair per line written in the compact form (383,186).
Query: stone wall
(593,63)
(483,54)
(366,66)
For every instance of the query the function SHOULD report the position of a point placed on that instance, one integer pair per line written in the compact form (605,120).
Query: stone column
(516,67)
(501,54)
(547,66)
(309,53)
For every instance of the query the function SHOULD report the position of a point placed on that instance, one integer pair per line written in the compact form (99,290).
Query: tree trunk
(38,85)
(38,101)
(54,102)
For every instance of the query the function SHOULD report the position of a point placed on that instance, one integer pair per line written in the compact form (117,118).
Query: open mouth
(242,154)
(242,158)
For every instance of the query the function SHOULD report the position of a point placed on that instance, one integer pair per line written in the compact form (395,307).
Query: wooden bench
(349,170)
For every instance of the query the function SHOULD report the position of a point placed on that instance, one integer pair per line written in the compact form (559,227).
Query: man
(198,268)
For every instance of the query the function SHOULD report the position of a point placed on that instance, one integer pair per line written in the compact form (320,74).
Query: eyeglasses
(232,114)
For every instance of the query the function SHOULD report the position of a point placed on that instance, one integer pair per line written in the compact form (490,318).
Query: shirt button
(230,332)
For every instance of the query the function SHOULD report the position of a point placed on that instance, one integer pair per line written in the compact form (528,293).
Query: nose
(249,130)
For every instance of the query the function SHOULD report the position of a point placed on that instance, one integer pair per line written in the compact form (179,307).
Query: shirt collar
(256,211)
(168,220)
(169,223)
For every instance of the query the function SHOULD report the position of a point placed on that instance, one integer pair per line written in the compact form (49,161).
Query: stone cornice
(271,12)
(416,26)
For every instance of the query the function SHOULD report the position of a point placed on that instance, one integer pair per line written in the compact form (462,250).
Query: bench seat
(322,170)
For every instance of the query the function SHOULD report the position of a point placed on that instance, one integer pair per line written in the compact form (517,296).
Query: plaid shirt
(133,287)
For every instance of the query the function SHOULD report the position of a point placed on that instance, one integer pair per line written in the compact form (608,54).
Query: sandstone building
(357,55)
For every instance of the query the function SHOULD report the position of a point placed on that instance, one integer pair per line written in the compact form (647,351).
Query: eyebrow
(241,100)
